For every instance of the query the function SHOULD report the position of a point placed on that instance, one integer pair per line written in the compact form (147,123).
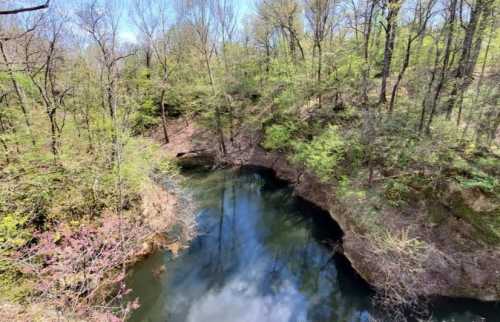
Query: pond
(262,255)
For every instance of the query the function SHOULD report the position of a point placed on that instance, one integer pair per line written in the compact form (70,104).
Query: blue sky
(128,31)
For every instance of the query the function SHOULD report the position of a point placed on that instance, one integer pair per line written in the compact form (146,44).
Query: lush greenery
(390,101)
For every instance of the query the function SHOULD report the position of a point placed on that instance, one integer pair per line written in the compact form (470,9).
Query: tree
(11,37)
(471,46)
(263,32)
(151,18)
(367,30)
(421,15)
(443,70)
(101,24)
(18,90)
(285,15)
(43,60)
(319,15)
(225,20)
(390,29)
(199,15)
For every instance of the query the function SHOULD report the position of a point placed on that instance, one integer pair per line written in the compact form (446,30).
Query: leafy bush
(12,230)
(396,192)
(278,136)
(322,154)
(484,183)
(146,116)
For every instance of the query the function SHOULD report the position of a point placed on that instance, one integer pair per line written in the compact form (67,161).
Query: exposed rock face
(454,266)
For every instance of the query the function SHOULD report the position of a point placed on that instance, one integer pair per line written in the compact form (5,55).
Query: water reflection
(258,257)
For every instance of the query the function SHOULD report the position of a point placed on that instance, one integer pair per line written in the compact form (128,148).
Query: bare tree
(285,15)
(475,100)
(262,32)
(367,30)
(43,58)
(450,33)
(199,15)
(319,15)
(225,18)
(101,24)
(421,15)
(225,21)
(151,18)
(480,14)
(10,39)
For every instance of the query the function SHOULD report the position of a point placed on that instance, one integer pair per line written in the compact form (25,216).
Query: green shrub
(278,136)
(484,183)
(322,154)
(396,192)
(146,116)
(13,233)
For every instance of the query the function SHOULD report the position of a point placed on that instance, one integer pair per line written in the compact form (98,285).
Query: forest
(385,113)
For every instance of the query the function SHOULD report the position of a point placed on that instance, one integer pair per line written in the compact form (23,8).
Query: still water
(261,255)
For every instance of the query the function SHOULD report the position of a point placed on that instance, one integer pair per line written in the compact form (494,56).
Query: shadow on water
(260,255)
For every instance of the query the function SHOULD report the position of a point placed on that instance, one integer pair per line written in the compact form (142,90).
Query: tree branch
(19,10)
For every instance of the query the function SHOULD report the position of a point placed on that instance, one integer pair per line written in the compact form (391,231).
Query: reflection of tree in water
(234,219)
(269,233)
(219,264)
(256,245)
(225,230)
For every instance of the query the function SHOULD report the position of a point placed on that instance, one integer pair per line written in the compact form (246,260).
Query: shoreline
(454,276)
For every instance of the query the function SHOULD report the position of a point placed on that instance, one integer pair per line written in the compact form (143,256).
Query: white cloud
(241,301)
(128,36)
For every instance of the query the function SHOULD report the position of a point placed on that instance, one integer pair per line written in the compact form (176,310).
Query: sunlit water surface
(262,256)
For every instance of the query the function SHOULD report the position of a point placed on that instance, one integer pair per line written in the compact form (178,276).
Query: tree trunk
(2,141)
(406,62)
(268,57)
(164,117)
(367,29)
(87,125)
(478,88)
(494,128)
(218,116)
(446,59)
(390,39)
(320,58)
(428,93)
(470,52)
(53,133)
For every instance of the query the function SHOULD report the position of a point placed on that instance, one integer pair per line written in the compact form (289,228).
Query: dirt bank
(415,256)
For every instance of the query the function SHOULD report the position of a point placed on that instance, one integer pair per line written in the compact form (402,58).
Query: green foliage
(322,154)
(489,164)
(345,187)
(285,99)
(349,67)
(143,159)
(13,230)
(146,116)
(485,183)
(396,191)
(278,136)
(252,85)
(12,286)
